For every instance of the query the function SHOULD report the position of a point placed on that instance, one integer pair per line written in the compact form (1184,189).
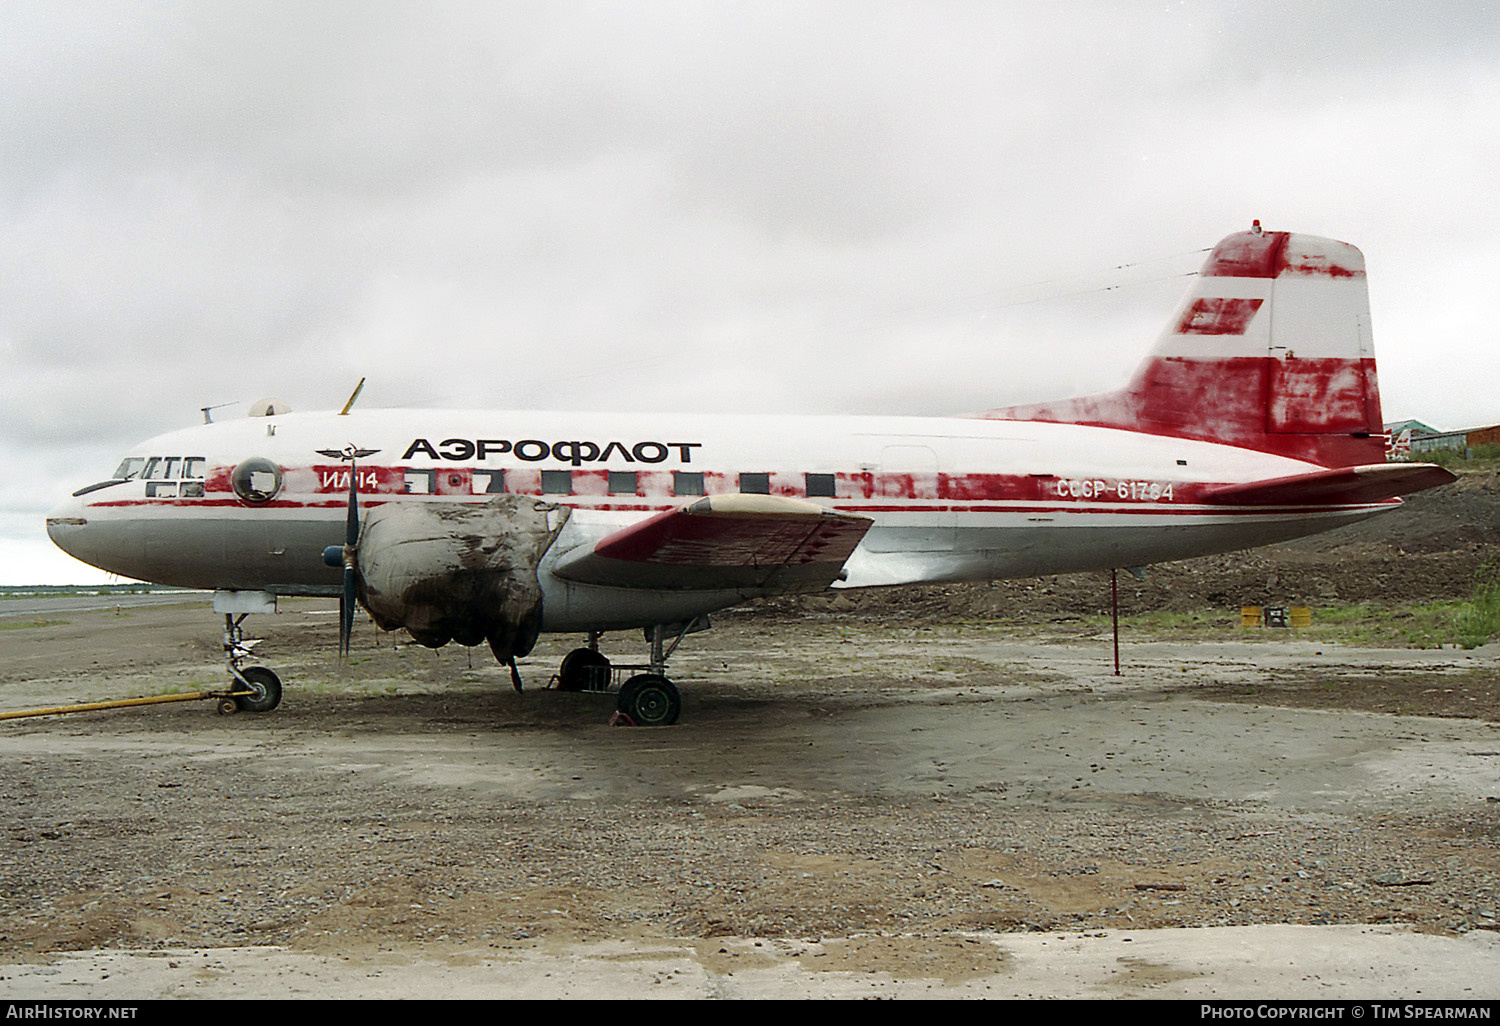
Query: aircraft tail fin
(1270,350)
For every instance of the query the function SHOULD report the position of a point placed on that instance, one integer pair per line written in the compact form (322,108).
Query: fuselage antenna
(353,396)
(208,410)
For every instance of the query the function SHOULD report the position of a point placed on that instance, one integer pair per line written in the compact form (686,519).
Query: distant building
(1414,436)
(1484,436)
(1416,427)
(1455,440)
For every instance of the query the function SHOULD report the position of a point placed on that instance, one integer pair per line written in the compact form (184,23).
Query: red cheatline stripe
(1000,506)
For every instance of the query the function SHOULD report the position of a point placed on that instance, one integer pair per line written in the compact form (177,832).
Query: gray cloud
(836,207)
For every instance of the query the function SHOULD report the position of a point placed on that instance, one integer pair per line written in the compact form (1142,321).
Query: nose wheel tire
(266,688)
(650,700)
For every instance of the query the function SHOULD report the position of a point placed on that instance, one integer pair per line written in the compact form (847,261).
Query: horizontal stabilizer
(1340,486)
(765,543)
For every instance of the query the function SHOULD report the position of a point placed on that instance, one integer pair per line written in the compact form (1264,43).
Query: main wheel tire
(267,688)
(650,700)
(583,669)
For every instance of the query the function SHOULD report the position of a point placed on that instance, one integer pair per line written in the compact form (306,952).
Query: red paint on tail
(1270,351)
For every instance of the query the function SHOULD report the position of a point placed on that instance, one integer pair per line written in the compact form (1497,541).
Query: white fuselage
(950,499)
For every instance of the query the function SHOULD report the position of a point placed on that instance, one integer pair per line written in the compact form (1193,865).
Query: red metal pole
(1114,608)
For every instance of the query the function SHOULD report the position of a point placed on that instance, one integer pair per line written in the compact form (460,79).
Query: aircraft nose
(67,526)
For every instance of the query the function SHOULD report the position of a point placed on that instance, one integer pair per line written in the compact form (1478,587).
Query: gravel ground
(878,792)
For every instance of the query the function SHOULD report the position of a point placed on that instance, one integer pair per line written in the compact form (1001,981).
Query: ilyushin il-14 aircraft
(1255,419)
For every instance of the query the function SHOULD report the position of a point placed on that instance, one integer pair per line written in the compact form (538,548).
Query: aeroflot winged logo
(348,453)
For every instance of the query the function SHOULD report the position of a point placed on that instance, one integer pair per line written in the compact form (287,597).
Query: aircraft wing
(765,543)
(1339,486)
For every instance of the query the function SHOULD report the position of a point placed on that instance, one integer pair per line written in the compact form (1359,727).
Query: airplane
(1255,419)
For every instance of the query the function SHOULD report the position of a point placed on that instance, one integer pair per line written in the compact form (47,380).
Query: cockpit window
(161,474)
(131,467)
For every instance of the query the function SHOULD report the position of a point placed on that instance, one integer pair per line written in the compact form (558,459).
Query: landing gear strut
(647,699)
(255,688)
(262,685)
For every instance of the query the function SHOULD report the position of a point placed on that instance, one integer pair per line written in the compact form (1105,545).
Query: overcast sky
(861,207)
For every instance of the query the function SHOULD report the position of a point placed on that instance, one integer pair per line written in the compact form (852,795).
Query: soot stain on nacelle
(461,572)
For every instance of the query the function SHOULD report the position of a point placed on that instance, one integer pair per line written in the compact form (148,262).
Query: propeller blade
(351,540)
(351,529)
(346,612)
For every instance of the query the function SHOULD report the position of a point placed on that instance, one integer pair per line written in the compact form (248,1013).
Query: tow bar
(227,703)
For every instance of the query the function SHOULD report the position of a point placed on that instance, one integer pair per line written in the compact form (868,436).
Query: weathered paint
(1263,380)
(1218,316)
(853,491)
(763,542)
(1262,254)
(1270,351)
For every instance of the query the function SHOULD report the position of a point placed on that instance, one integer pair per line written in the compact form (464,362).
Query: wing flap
(1339,486)
(764,543)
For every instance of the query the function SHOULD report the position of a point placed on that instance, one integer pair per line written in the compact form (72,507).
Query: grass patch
(1478,620)
(24,591)
(20,625)
(1479,458)
(1465,624)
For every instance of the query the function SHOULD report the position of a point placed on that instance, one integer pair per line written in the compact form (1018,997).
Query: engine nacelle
(459,571)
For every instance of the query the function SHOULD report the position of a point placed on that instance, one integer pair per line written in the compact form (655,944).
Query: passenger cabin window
(820,486)
(557,482)
(420,482)
(755,484)
(488,482)
(622,482)
(687,482)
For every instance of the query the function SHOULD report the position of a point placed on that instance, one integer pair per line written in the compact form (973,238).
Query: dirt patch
(1468,695)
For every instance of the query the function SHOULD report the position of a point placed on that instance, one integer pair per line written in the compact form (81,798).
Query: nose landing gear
(254,688)
(264,687)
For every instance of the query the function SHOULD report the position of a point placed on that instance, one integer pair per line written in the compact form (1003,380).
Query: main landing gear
(646,699)
(252,688)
